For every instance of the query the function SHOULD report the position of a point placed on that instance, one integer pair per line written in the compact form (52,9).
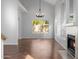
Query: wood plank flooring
(32,49)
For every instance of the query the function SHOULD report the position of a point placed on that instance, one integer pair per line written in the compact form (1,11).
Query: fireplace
(71,44)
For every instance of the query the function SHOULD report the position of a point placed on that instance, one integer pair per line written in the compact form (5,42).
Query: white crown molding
(22,7)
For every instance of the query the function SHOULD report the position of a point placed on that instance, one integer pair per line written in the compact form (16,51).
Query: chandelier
(39,14)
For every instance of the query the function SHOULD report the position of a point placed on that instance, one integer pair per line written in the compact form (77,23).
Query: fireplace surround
(71,44)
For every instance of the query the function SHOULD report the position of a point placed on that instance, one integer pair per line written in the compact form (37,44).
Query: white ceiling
(26,4)
(53,2)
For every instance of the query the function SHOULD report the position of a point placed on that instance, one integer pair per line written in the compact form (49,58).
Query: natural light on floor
(28,57)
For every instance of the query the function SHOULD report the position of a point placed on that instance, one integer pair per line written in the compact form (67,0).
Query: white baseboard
(10,43)
(61,44)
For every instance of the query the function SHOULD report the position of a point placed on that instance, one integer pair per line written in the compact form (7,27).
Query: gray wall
(58,25)
(26,19)
(62,12)
(9,21)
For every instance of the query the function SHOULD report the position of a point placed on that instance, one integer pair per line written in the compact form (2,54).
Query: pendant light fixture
(39,14)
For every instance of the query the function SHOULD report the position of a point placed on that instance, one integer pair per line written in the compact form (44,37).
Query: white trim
(61,44)
(22,7)
(10,43)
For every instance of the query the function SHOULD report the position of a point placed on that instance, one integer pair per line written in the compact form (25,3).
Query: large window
(40,26)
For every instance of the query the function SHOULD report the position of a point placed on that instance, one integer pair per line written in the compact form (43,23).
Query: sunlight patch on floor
(28,57)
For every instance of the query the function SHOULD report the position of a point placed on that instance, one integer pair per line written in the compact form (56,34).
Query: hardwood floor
(10,51)
(33,49)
